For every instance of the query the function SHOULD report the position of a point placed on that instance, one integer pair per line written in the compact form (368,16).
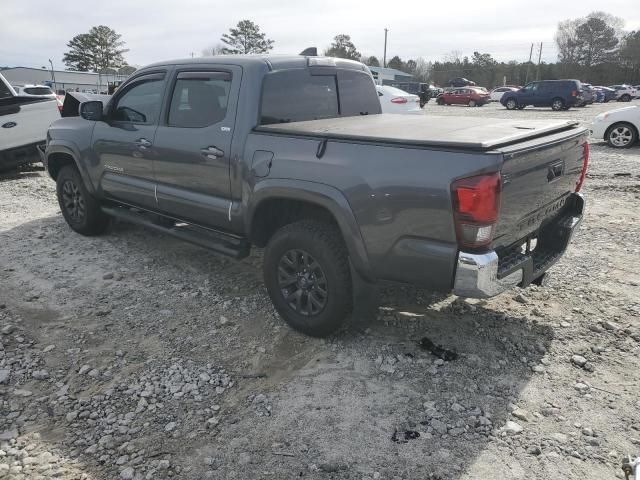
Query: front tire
(557,104)
(511,104)
(472,103)
(306,272)
(440,101)
(621,135)
(79,208)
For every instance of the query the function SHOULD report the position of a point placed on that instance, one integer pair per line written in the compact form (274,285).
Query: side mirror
(91,110)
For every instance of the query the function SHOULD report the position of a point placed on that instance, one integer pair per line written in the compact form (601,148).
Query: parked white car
(497,93)
(624,93)
(38,91)
(619,128)
(394,100)
(24,121)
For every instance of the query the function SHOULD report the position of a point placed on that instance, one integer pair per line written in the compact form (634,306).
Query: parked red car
(474,97)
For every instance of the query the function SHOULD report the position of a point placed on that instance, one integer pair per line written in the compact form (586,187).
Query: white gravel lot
(135,356)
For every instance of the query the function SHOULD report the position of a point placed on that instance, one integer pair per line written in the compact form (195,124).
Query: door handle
(212,151)
(142,143)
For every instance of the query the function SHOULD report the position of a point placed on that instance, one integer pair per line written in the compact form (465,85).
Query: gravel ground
(135,356)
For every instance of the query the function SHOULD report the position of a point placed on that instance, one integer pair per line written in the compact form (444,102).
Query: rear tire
(511,104)
(79,208)
(621,135)
(557,104)
(626,97)
(306,272)
(472,103)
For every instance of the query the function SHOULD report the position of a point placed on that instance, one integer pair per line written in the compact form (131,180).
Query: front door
(528,95)
(193,145)
(123,142)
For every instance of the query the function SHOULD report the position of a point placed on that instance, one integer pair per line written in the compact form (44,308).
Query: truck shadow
(370,399)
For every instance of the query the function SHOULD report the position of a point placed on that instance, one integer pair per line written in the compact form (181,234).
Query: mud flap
(366,299)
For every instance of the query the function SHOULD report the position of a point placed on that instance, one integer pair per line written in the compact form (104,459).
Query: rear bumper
(488,274)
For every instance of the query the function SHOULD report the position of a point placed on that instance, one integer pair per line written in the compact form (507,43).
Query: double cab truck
(292,154)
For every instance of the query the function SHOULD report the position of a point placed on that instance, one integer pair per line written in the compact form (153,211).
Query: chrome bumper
(477,276)
(483,275)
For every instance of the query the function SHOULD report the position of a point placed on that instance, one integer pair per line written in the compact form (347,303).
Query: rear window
(37,90)
(357,94)
(296,96)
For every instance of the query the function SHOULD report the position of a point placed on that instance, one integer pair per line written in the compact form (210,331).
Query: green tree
(396,62)
(596,41)
(372,61)
(343,47)
(100,48)
(410,66)
(246,38)
(630,50)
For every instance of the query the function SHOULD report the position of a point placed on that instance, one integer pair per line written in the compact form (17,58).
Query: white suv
(624,93)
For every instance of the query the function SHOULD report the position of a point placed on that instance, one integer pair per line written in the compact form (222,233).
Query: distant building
(64,79)
(389,75)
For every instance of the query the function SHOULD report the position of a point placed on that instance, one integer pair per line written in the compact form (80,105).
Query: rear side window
(357,94)
(199,99)
(296,95)
(38,90)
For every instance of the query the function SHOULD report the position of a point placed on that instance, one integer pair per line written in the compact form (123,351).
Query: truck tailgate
(537,178)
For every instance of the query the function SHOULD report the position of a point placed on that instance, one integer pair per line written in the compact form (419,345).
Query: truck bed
(428,131)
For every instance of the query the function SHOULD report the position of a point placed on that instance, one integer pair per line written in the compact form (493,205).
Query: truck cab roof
(272,62)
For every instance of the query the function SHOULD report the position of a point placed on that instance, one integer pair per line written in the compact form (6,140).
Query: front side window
(296,95)
(199,99)
(140,103)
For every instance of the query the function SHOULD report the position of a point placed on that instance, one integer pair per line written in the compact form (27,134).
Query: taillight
(398,100)
(574,93)
(585,164)
(476,204)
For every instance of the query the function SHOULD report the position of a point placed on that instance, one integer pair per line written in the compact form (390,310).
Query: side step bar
(217,241)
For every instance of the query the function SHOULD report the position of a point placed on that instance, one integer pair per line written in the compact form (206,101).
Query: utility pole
(539,58)
(384,58)
(53,77)
(526,78)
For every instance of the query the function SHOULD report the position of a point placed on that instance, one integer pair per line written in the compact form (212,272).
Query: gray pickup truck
(292,153)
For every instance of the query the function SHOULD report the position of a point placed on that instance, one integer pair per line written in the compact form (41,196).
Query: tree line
(595,49)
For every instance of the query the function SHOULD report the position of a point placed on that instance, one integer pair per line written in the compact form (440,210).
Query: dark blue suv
(557,94)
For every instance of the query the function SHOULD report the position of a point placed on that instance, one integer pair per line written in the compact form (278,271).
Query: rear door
(193,145)
(123,142)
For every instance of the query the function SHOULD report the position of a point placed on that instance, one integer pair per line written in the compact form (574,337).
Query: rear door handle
(212,152)
(142,143)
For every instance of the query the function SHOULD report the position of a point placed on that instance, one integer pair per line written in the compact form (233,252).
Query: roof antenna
(309,52)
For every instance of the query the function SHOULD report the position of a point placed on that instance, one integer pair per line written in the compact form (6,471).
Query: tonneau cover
(424,130)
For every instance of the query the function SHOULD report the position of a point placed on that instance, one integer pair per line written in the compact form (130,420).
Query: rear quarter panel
(399,196)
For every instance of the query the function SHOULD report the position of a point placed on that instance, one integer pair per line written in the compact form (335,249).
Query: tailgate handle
(555,171)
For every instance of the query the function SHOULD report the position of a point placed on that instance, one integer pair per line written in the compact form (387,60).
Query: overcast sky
(32,31)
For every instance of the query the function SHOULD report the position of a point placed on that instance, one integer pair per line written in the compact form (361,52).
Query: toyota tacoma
(292,154)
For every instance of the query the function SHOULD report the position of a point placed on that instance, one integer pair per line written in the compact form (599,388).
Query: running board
(216,241)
